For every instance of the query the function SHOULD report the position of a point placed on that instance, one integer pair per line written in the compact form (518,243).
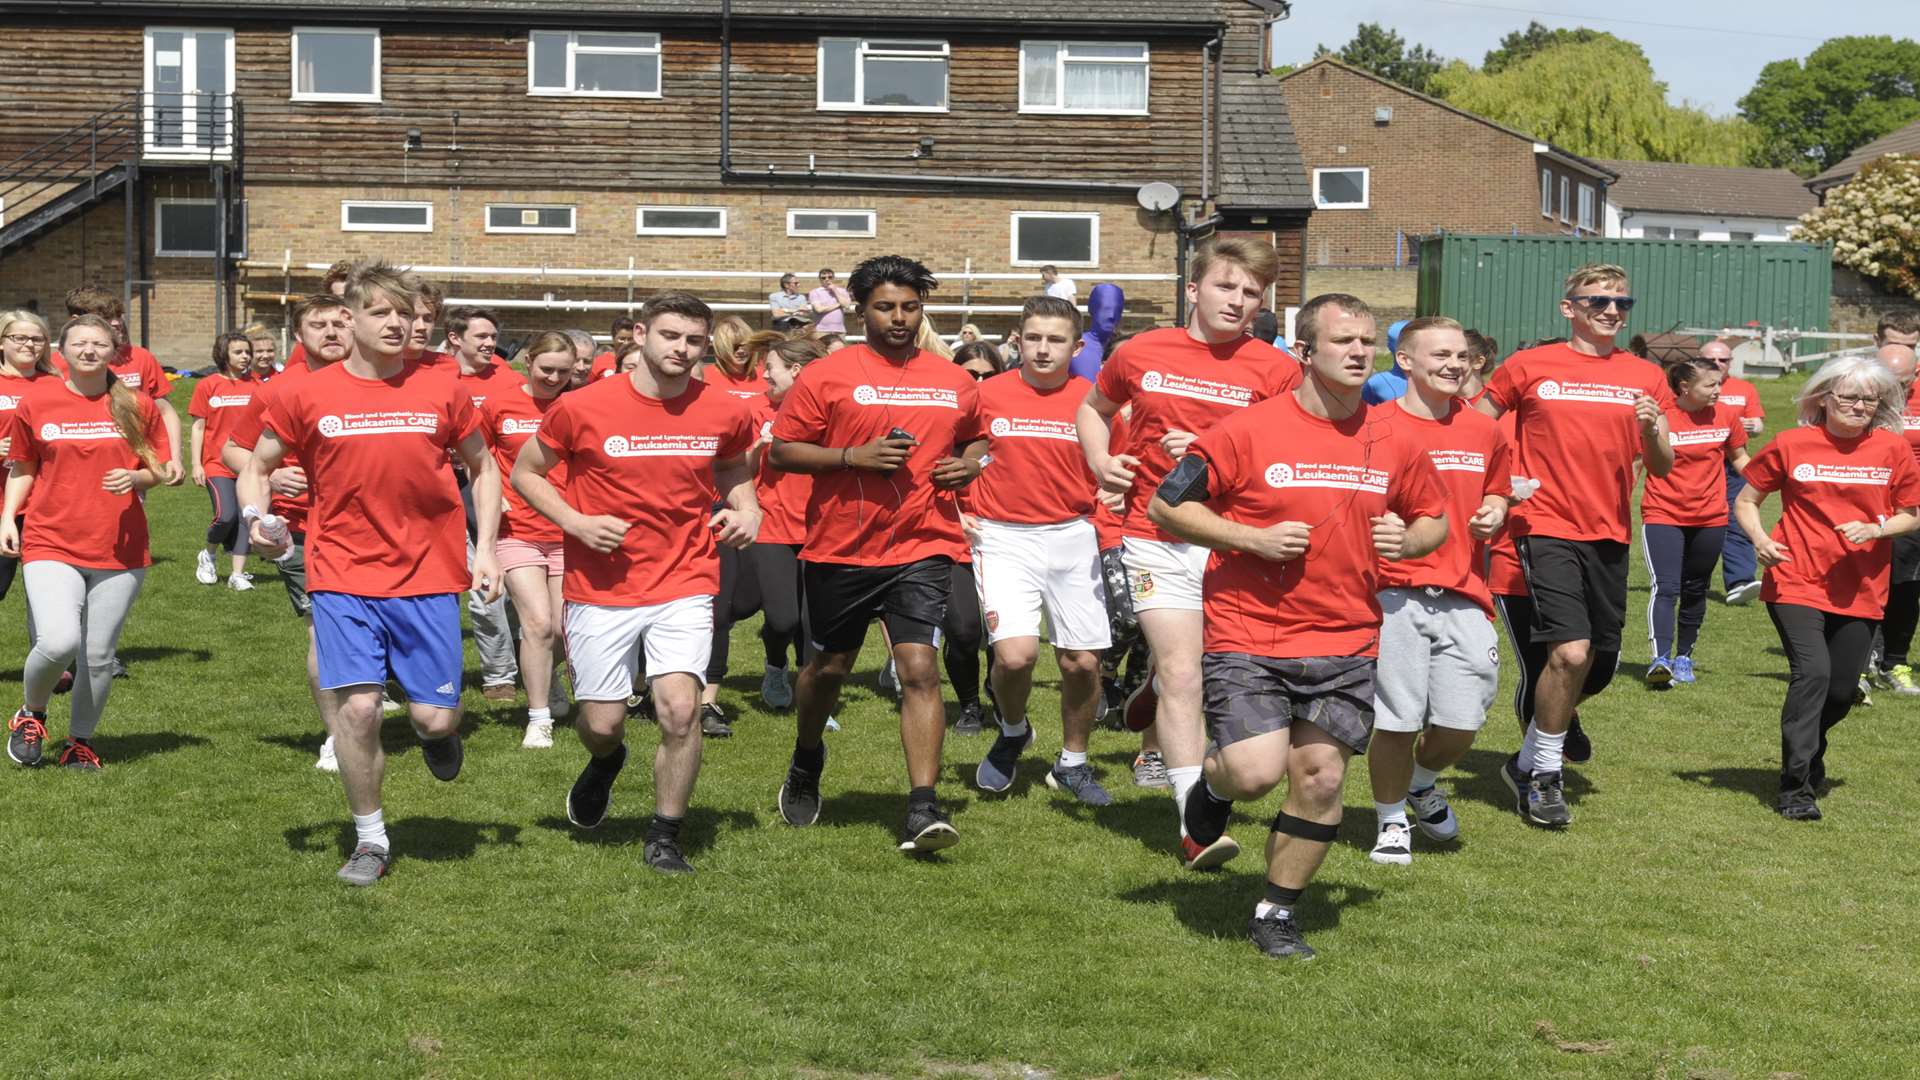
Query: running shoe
(203,569)
(775,691)
(443,756)
(1197,856)
(1547,801)
(390,707)
(1393,845)
(1113,700)
(120,670)
(64,683)
(79,754)
(1150,770)
(26,737)
(832,724)
(666,857)
(499,692)
(1863,693)
(1660,672)
(366,865)
(1516,779)
(1204,843)
(1278,938)
(713,722)
(592,791)
(1742,594)
(927,829)
(996,771)
(640,705)
(1578,748)
(539,735)
(240,582)
(1902,681)
(1800,808)
(971,722)
(1683,670)
(889,679)
(800,795)
(1433,815)
(1078,781)
(327,762)
(1142,705)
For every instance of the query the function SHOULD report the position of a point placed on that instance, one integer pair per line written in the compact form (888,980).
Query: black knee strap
(1284,822)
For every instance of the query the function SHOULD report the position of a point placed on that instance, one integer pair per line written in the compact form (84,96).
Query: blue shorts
(362,640)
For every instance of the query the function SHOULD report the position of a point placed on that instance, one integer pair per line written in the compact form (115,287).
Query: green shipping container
(1511,286)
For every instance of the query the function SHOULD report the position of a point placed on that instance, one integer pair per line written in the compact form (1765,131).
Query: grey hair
(583,343)
(1862,371)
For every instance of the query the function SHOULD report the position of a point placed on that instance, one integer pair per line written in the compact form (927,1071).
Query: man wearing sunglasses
(1585,410)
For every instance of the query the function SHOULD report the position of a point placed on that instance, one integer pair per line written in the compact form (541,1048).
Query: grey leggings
(75,606)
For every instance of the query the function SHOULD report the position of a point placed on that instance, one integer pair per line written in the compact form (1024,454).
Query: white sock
(1013,731)
(1529,746)
(1268,909)
(542,715)
(1423,777)
(371,829)
(1546,754)
(1072,758)
(1183,779)
(1393,813)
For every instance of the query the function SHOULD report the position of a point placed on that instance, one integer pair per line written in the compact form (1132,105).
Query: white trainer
(539,735)
(327,762)
(1394,845)
(203,571)
(240,582)
(1432,814)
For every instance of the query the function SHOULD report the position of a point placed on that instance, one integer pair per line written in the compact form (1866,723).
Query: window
(1586,207)
(386,217)
(861,73)
(1656,232)
(680,221)
(830,222)
(1062,239)
(189,228)
(518,218)
(336,65)
(1546,193)
(1740,237)
(1340,189)
(1686,234)
(593,65)
(189,85)
(1566,205)
(1082,77)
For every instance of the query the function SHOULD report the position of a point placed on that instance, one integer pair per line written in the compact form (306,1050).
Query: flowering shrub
(1874,223)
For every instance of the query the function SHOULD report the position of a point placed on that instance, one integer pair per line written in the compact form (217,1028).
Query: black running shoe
(971,720)
(444,756)
(800,795)
(1578,748)
(1547,801)
(1516,779)
(1205,816)
(1800,808)
(713,722)
(1278,938)
(927,829)
(666,857)
(592,793)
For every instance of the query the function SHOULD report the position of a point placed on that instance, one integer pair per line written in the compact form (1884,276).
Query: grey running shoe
(79,754)
(889,680)
(775,691)
(444,756)
(1150,770)
(713,722)
(1547,801)
(26,738)
(1516,780)
(1433,815)
(1079,782)
(927,829)
(1278,938)
(366,865)
(971,721)
(592,792)
(666,857)
(996,771)
(800,795)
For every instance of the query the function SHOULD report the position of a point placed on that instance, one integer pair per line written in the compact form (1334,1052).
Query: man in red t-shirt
(1585,411)
(387,553)
(333,283)
(646,456)
(473,333)
(1739,574)
(889,433)
(1299,498)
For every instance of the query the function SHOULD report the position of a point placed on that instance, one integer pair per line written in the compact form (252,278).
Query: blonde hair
(122,403)
(550,341)
(1423,323)
(1595,274)
(371,279)
(930,340)
(1256,258)
(42,363)
(1870,375)
(730,332)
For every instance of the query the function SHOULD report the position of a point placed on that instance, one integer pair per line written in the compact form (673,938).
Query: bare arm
(197,440)
(1487,405)
(19,484)
(170,418)
(739,524)
(1197,523)
(1746,512)
(487,577)
(1738,458)
(602,533)
(1654,448)
(1094,423)
(252,490)
(880,455)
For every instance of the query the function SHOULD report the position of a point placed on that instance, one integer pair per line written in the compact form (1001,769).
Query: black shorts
(842,599)
(1246,695)
(1579,589)
(1906,558)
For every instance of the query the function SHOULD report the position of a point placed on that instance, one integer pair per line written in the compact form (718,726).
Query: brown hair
(980,350)
(1900,322)
(1306,324)
(550,341)
(675,302)
(461,317)
(798,350)
(1047,307)
(223,342)
(316,303)
(43,363)
(371,279)
(1256,258)
(434,295)
(92,300)
(122,403)
(337,274)
(1417,326)
(730,333)
(1595,274)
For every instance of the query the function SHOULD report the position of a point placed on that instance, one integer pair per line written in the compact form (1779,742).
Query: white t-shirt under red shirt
(1694,492)
(865,518)
(75,442)
(1177,383)
(1472,460)
(649,463)
(1276,462)
(1036,473)
(387,519)
(1576,435)
(509,419)
(221,401)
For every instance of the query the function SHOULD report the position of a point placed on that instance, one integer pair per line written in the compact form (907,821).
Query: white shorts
(1022,570)
(1439,662)
(603,644)
(1164,573)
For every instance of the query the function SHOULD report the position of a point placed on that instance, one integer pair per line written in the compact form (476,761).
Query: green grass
(177,915)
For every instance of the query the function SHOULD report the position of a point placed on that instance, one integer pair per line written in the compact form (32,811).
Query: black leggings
(225,528)
(738,598)
(1826,654)
(961,634)
(10,564)
(775,569)
(1517,613)
(1680,559)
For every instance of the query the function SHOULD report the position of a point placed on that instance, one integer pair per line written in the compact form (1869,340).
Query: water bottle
(274,528)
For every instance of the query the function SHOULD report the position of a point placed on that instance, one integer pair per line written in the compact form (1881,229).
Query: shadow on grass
(1218,904)
(144,654)
(702,828)
(126,749)
(1762,784)
(1481,782)
(397,736)
(430,839)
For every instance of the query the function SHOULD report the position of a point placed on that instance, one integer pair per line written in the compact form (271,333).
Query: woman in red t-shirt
(1683,515)
(91,446)
(219,400)
(25,344)
(1847,482)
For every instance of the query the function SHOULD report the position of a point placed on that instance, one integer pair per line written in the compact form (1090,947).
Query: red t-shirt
(650,463)
(1177,383)
(509,419)
(1743,396)
(246,434)
(1471,458)
(498,377)
(74,440)
(1504,576)
(746,389)
(1577,436)
(1826,481)
(221,401)
(387,519)
(851,398)
(135,366)
(1276,462)
(1910,420)
(1694,493)
(783,495)
(603,366)
(1107,524)
(1036,473)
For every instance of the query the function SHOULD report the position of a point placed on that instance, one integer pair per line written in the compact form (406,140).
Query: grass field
(177,914)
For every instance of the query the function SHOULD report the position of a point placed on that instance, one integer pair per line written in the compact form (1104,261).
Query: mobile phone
(902,433)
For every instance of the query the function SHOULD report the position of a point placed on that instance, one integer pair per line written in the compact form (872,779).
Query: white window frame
(641,228)
(1366,188)
(158,212)
(574,48)
(1586,219)
(486,220)
(1647,232)
(1566,201)
(1546,194)
(1062,57)
(294,63)
(190,115)
(860,53)
(873,222)
(348,226)
(1013,238)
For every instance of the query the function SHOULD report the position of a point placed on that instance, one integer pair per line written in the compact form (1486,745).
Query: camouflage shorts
(1247,695)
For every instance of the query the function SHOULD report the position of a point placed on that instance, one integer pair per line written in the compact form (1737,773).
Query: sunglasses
(978,375)
(1598,304)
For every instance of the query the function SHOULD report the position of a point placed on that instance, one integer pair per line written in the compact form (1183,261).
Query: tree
(1847,93)
(1379,50)
(1874,223)
(1521,44)
(1598,98)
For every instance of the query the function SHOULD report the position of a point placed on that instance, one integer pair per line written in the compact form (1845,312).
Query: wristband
(844,463)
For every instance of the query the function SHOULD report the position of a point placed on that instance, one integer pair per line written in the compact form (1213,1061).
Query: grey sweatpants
(79,613)
(492,636)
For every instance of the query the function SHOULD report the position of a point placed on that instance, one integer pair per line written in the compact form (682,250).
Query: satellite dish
(1158,196)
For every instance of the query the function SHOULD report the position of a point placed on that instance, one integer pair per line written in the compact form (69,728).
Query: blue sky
(1707,51)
